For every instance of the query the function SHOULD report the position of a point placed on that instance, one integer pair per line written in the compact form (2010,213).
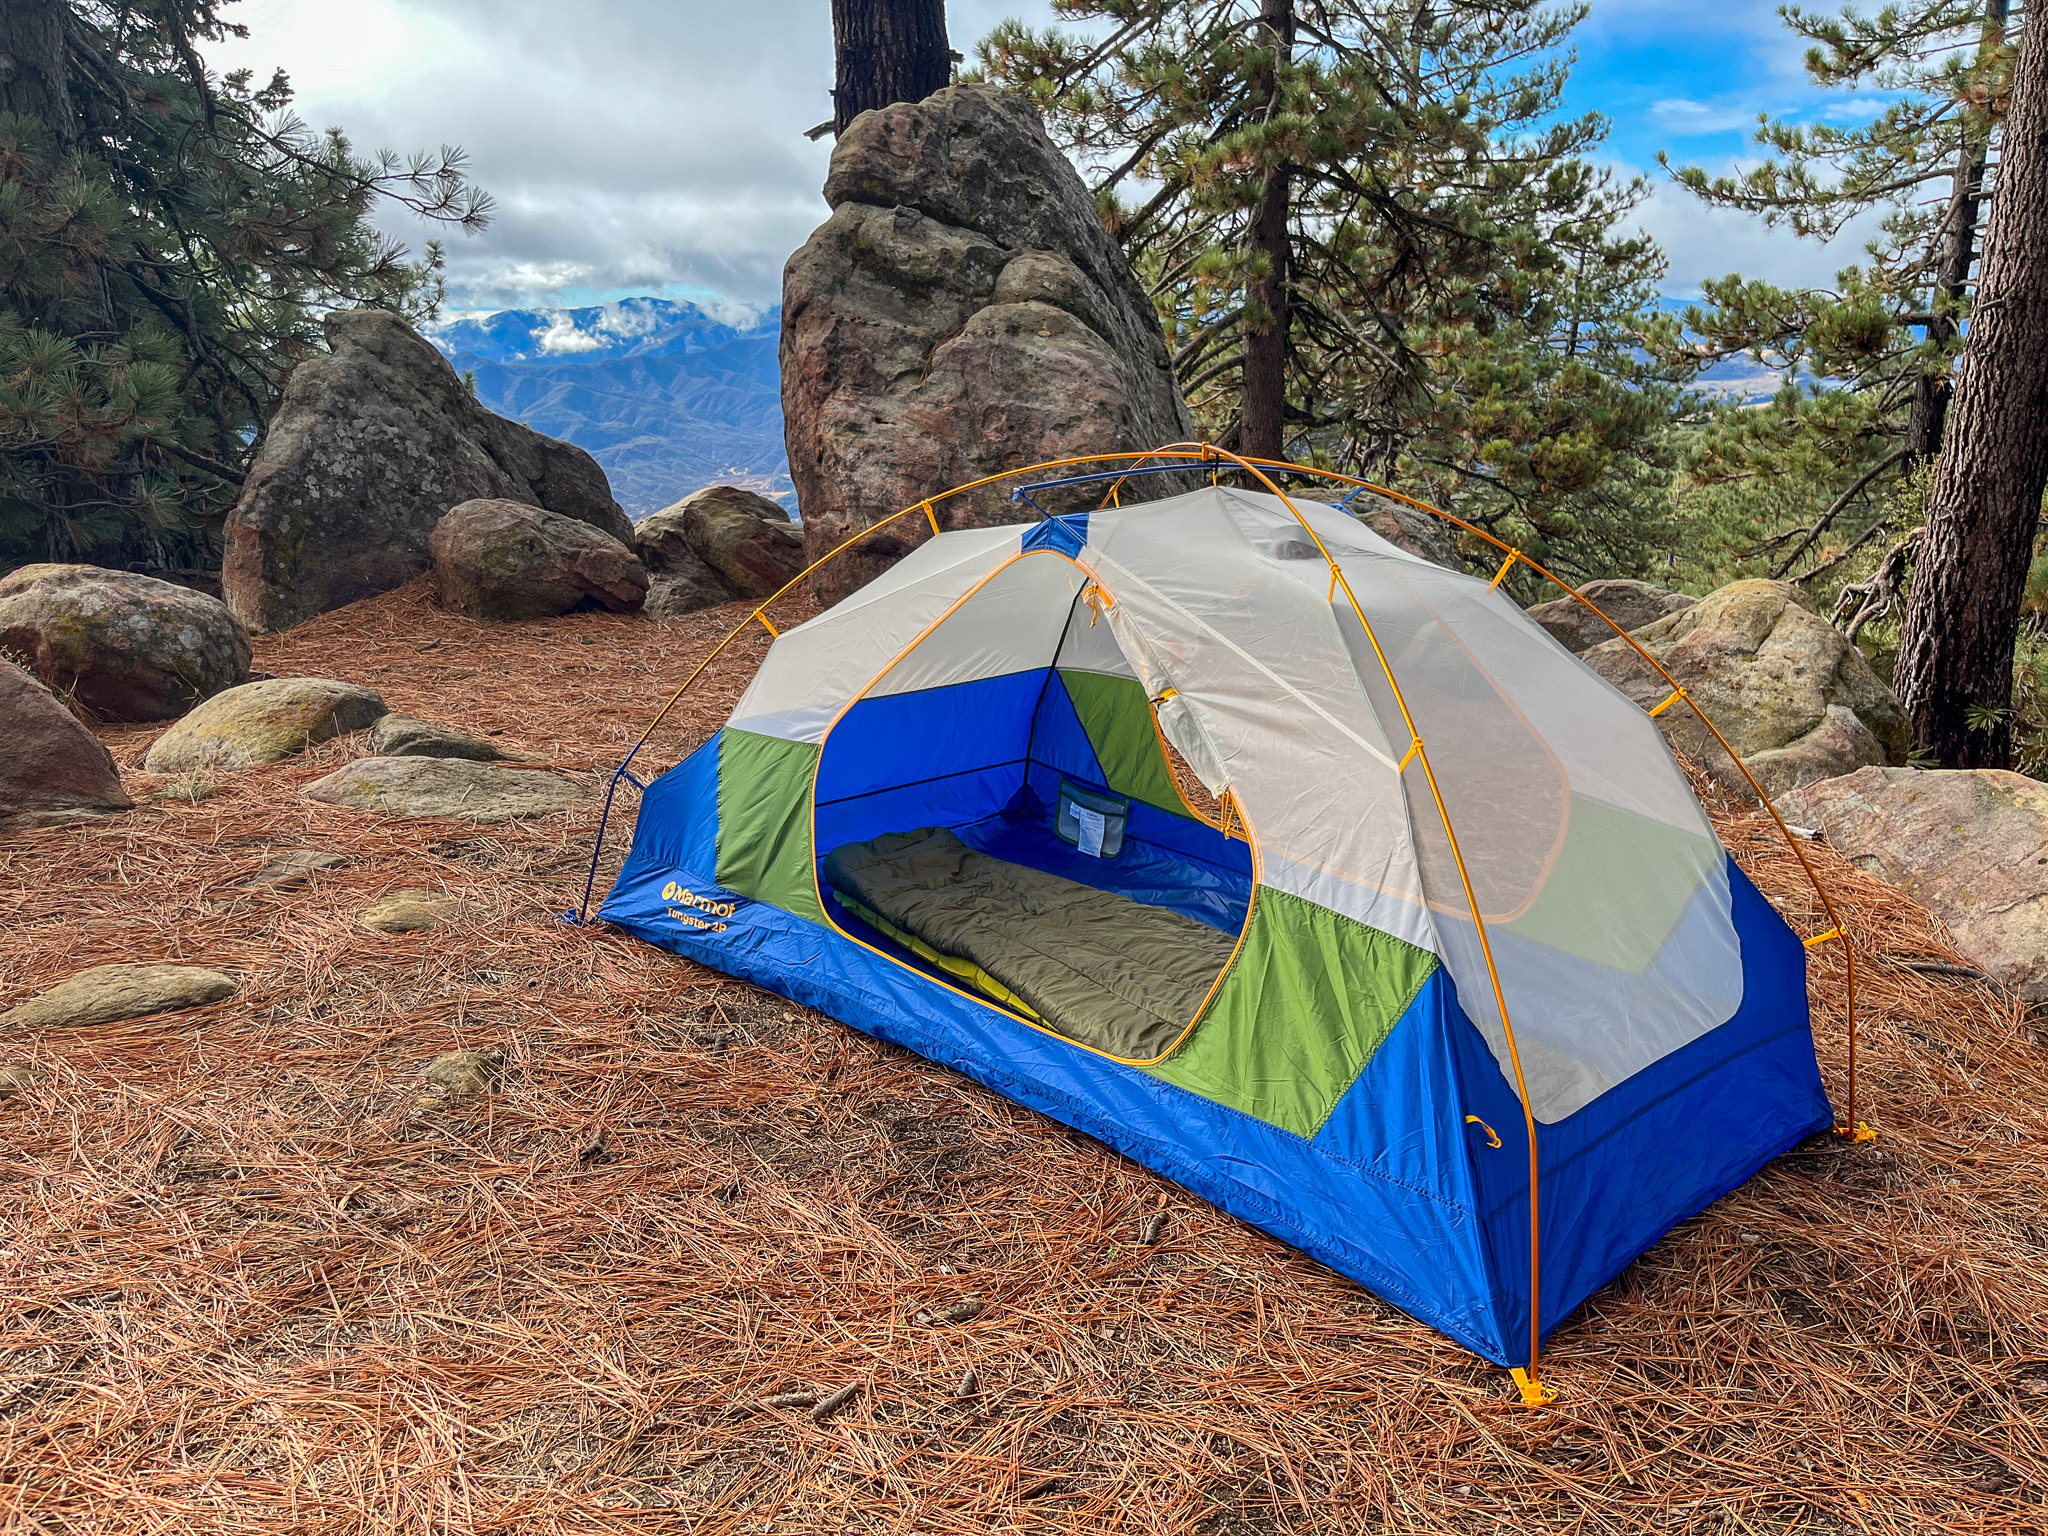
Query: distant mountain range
(666,396)
(670,399)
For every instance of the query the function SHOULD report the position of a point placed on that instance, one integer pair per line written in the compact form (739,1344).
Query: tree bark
(1952,274)
(1262,401)
(887,51)
(33,79)
(1961,625)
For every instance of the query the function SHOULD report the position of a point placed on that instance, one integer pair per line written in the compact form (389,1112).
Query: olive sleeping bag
(1099,968)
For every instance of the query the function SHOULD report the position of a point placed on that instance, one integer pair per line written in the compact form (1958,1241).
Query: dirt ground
(253,1279)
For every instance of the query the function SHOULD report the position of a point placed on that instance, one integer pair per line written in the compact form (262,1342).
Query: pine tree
(1955,668)
(168,240)
(1868,364)
(1376,244)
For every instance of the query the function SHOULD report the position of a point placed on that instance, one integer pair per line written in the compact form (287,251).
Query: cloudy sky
(656,146)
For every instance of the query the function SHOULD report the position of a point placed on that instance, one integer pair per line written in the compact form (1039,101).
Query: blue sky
(656,145)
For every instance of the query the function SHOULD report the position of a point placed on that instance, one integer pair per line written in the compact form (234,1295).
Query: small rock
(504,560)
(108,993)
(126,647)
(1631,604)
(403,736)
(261,723)
(23,1074)
(463,1073)
(408,912)
(295,865)
(445,786)
(53,770)
(970,1384)
(1154,1229)
(965,1310)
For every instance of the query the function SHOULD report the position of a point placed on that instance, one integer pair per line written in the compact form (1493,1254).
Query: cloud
(646,146)
(1678,115)
(630,144)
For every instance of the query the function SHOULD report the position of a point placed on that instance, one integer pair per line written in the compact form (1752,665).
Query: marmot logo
(698,909)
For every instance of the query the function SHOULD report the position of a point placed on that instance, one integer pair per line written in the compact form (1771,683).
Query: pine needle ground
(256,1276)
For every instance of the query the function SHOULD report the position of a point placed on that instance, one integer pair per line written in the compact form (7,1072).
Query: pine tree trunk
(1956,652)
(33,79)
(1952,275)
(888,51)
(1262,403)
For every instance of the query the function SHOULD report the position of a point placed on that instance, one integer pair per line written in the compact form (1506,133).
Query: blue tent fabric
(1397,1190)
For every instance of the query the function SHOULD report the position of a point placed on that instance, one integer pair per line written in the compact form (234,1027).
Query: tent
(1307,872)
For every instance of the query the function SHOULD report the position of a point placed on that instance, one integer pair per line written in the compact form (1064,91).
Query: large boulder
(52,769)
(1795,699)
(370,447)
(498,559)
(263,722)
(1970,845)
(962,312)
(126,647)
(745,541)
(445,786)
(679,581)
(1631,604)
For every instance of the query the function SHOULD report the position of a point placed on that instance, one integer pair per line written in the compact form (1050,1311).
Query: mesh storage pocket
(1093,823)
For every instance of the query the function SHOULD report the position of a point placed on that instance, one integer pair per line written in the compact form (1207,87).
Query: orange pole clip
(1676,695)
(1506,565)
(1414,748)
(1492,1136)
(933,518)
(766,625)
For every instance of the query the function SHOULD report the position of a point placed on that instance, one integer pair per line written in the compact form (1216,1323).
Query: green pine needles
(168,241)
(1465,315)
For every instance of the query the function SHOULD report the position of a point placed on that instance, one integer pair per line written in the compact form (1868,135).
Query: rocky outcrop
(263,722)
(370,447)
(126,647)
(445,786)
(1795,699)
(1631,604)
(961,312)
(1970,845)
(51,769)
(496,559)
(106,994)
